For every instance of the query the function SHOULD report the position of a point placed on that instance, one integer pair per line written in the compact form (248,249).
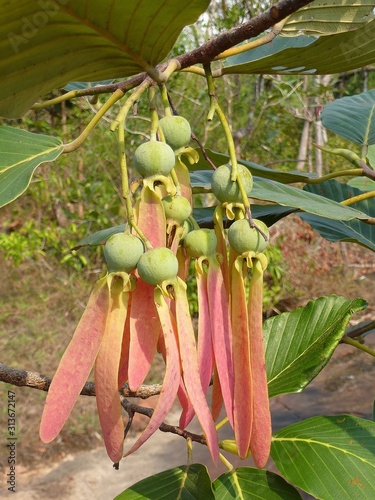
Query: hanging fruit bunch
(141,306)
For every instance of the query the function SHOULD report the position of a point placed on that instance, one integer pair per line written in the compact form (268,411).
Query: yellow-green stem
(165,100)
(360,197)
(162,76)
(121,117)
(153,113)
(228,135)
(217,73)
(226,462)
(176,182)
(106,106)
(189,445)
(56,100)
(222,423)
(124,174)
(268,37)
(211,93)
(358,345)
(342,173)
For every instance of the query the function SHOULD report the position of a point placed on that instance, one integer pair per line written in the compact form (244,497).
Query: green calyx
(157,265)
(225,189)
(243,238)
(200,242)
(122,252)
(176,130)
(154,158)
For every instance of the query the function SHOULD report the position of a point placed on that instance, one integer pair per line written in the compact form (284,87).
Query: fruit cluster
(141,307)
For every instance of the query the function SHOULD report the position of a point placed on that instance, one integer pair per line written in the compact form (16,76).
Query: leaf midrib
(326,445)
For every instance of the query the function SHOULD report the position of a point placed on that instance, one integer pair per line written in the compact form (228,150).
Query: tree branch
(209,50)
(34,380)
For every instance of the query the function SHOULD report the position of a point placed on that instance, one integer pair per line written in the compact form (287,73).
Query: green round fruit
(243,238)
(200,242)
(122,252)
(226,190)
(157,265)
(176,130)
(154,158)
(177,208)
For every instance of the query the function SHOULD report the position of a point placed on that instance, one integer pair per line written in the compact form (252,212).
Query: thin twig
(204,152)
(148,412)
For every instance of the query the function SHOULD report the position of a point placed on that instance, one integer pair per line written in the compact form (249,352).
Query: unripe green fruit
(122,252)
(157,265)
(243,238)
(154,158)
(226,190)
(176,130)
(200,242)
(177,208)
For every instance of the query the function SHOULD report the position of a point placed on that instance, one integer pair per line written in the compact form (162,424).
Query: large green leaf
(303,54)
(328,457)
(352,117)
(371,156)
(269,214)
(185,482)
(326,17)
(355,230)
(362,183)
(299,344)
(253,484)
(45,45)
(284,195)
(264,172)
(20,153)
(99,237)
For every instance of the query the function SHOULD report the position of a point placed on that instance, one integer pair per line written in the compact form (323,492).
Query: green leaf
(328,457)
(46,45)
(85,85)
(249,483)
(284,195)
(371,156)
(269,214)
(362,183)
(99,237)
(327,17)
(352,117)
(264,172)
(355,231)
(299,344)
(303,55)
(293,197)
(21,152)
(190,482)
